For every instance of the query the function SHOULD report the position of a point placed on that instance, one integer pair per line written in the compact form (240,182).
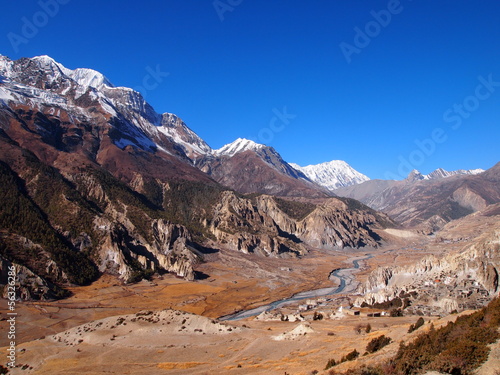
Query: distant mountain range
(441,173)
(429,201)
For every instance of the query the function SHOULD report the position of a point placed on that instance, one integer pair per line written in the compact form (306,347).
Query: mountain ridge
(429,203)
(107,178)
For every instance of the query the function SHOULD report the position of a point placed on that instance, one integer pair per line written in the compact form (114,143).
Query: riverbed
(346,284)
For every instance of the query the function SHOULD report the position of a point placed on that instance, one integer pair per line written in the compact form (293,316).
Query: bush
(420,322)
(358,328)
(350,356)
(461,358)
(378,343)
(396,313)
(330,364)
(317,316)
(457,348)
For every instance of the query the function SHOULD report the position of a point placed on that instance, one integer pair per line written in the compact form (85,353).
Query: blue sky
(419,90)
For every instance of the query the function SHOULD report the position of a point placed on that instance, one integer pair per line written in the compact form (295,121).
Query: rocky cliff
(457,281)
(126,253)
(275,226)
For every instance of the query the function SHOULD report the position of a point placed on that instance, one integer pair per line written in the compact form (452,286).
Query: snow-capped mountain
(333,174)
(250,167)
(268,154)
(82,111)
(41,82)
(177,131)
(439,173)
(239,145)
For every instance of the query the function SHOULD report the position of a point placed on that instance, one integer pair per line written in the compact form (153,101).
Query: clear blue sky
(231,71)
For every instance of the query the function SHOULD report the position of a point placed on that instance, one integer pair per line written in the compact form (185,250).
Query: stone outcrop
(123,252)
(259,225)
(243,226)
(28,285)
(333,225)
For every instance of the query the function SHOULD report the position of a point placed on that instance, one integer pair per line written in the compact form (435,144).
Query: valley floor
(113,328)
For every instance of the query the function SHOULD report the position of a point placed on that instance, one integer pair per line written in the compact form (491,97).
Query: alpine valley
(138,248)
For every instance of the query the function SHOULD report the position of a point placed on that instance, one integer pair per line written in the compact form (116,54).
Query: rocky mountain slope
(461,280)
(249,167)
(429,202)
(94,180)
(333,174)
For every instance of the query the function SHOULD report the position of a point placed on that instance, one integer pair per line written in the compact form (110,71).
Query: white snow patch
(89,78)
(5,95)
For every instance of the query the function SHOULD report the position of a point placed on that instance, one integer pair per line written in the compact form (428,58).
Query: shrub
(330,364)
(420,322)
(396,313)
(461,358)
(457,348)
(317,316)
(358,328)
(378,343)
(350,356)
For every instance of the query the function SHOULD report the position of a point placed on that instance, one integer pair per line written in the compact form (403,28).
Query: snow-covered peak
(45,60)
(441,173)
(83,76)
(47,63)
(476,171)
(240,145)
(176,130)
(416,175)
(333,174)
(89,77)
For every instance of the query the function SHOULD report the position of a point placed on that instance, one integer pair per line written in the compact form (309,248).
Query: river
(347,284)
